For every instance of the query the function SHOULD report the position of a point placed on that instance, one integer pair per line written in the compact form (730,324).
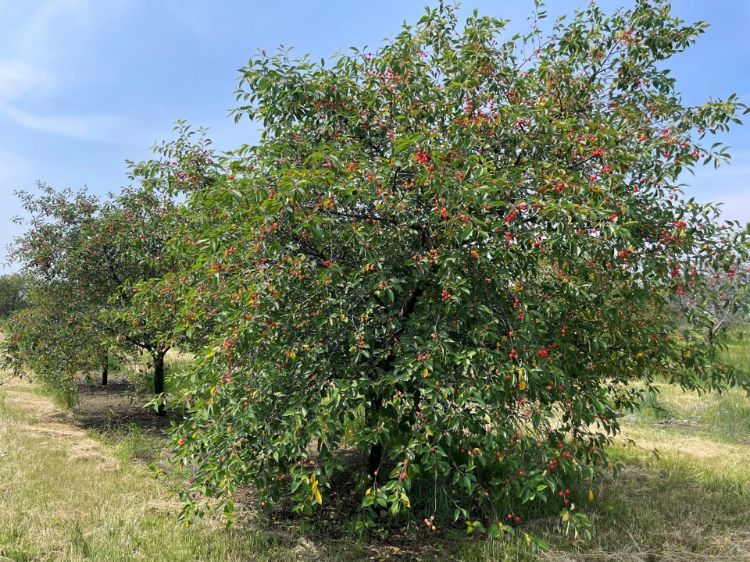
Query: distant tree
(98,251)
(13,293)
(723,298)
(53,338)
(60,334)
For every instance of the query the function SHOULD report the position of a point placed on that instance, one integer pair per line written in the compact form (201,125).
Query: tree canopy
(13,293)
(452,256)
(86,257)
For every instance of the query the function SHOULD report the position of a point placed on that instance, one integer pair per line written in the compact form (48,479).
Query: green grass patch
(725,416)
(134,444)
(737,350)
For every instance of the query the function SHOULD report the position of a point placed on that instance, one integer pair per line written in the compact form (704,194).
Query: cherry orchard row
(83,257)
(450,260)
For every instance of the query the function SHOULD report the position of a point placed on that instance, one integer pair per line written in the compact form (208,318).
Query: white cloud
(93,127)
(19,79)
(28,75)
(56,25)
(34,32)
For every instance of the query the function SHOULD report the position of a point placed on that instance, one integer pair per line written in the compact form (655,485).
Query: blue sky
(86,84)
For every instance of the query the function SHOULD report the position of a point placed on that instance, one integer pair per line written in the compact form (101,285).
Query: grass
(74,486)
(70,494)
(723,416)
(66,497)
(737,349)
(678,497)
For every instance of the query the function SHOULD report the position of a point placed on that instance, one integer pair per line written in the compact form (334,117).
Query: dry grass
(66,496)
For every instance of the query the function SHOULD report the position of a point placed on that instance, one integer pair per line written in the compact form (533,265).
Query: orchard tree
(52,338)
(99,251)
(723,299)
(452,256)
(13,293)
(183,166)
(127,242)
(63,315)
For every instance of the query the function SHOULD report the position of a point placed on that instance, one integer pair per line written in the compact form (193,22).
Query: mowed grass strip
(65,496)
(677,497)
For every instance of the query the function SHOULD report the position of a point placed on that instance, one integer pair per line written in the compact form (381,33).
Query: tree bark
(105,369)
(375,457)
(158,357)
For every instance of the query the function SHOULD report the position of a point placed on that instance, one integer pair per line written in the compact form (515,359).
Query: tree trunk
(375,456)
(105,369)
(710,337)
(158,357)
(377,451)
(374,459)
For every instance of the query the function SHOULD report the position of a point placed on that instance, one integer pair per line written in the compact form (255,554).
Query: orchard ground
(74,485)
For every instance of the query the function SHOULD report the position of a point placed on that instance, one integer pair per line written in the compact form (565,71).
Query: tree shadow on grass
(116,407)
(329,533)
(666,508)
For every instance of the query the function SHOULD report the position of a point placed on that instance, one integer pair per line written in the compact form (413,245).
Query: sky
(87,84)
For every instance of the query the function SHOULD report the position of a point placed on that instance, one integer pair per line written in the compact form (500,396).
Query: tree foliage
(59,333)
(13,293)
(443,273)
(86,256)
(452,257)
(52,338)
